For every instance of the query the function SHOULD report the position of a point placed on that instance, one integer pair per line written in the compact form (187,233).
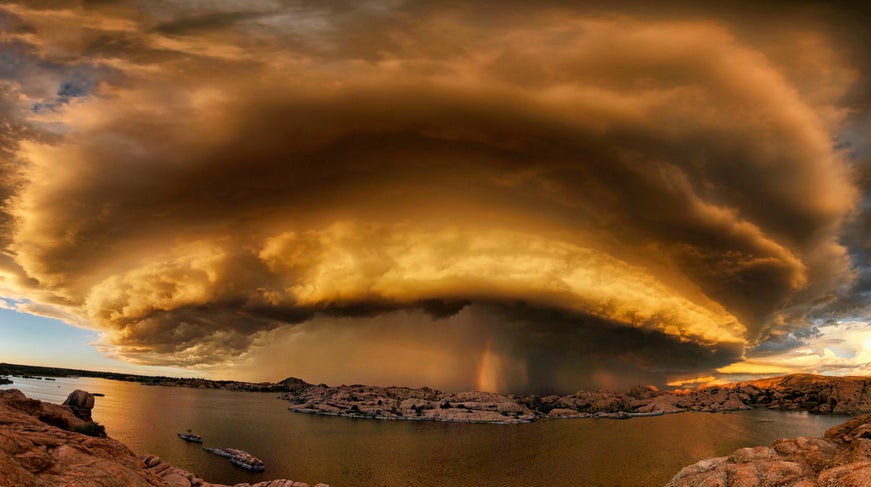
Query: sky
(464,195)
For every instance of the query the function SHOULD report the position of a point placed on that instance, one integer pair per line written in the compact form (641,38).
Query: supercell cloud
(581,197)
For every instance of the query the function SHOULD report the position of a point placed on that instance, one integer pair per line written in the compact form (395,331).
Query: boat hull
(239,458)
(190,438)
(247,466)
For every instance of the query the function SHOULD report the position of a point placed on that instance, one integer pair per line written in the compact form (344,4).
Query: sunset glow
(511,198)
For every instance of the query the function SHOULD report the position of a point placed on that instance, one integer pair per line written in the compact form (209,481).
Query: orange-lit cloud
(840,348)
(190,180)
(693,381)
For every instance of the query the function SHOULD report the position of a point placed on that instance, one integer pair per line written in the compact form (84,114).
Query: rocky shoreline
(44,445)
(841,458)
(801,392)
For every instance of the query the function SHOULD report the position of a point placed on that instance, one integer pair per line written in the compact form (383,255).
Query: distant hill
(287,385)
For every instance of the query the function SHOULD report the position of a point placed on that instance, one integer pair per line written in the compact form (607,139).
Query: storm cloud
(572,186)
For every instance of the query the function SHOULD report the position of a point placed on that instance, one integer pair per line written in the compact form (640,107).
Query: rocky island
(816,394)
(361,401)
(44,445)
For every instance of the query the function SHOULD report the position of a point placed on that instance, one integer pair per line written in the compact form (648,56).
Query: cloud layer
(191,180)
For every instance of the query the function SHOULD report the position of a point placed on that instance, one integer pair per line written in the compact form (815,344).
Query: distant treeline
(35,370)
(287,385)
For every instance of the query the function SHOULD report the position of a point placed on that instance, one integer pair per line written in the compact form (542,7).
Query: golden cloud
(232,172)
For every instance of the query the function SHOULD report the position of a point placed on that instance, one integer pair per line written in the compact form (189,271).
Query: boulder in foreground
(81,403)
(841,459)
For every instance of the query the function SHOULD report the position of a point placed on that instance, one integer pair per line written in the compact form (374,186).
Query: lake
(353,452)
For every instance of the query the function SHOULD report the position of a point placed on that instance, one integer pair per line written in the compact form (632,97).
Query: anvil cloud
(577,195)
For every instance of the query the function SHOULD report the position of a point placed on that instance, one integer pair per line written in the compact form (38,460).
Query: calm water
(349,452)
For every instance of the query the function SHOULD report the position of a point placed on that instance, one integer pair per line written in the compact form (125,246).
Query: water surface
(351,452)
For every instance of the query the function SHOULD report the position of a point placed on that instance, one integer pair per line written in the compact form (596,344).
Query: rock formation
(841,459)
(813,393)
(40,446)
(81,403)
(817,394)
(410,404)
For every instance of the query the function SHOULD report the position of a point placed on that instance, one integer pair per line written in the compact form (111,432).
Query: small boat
(221,452)
(250,463)
(192,437)
(239,458)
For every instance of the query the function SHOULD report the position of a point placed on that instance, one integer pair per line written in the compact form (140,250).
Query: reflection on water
(349,452)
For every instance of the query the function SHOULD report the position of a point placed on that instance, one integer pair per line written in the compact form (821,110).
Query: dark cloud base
(188,179)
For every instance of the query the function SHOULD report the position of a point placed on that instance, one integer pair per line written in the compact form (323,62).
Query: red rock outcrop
(40,447)
(81,403)
(841,459)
